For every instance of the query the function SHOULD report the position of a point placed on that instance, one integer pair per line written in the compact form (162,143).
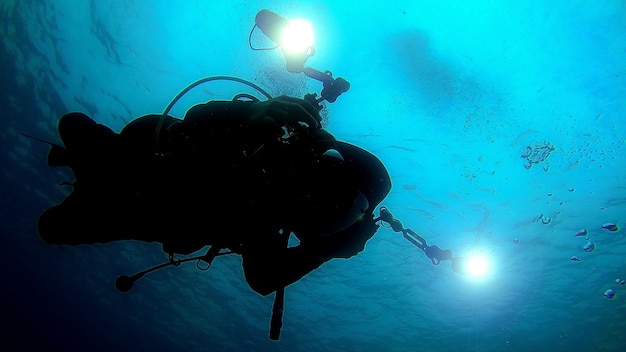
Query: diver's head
(325,197)
(335,190)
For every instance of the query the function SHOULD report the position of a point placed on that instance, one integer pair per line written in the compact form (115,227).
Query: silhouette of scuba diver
(237,175)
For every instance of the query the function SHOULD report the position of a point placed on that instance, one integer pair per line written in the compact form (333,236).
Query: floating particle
(581,233)
(609,294)
(575,259)
(544,219)
(611,227)
(589,247)
(409,187)
(537,153)
(516,241)
(571,189)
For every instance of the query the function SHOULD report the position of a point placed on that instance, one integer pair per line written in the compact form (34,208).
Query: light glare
(477,266)
(297,37)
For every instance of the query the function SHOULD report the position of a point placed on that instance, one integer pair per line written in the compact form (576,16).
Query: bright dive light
(297,37)
(294,36)
(477,266)
(296,41)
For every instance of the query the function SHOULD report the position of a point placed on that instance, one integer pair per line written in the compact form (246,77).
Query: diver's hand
(286,111)
(351,241)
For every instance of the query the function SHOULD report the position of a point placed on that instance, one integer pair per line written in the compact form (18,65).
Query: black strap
(276,322)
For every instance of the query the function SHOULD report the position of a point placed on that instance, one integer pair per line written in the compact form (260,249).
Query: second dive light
(295,38)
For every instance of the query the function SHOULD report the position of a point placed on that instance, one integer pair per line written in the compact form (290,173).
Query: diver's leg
(113,192)
(78,131)
(90,150)
(94,152)
(75,221)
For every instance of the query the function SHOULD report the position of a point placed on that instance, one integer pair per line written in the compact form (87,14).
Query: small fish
(575,259)
(581,233)
(611,227)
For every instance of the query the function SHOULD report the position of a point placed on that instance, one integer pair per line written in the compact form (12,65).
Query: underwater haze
(502,125)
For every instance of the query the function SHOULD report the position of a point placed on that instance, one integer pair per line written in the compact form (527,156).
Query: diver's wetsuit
(231,174)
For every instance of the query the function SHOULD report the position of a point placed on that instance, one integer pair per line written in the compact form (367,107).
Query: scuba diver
(240,175)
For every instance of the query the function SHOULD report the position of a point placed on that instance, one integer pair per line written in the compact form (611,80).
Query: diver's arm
(269,267)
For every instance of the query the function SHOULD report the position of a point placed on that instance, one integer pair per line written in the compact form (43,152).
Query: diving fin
(57,156)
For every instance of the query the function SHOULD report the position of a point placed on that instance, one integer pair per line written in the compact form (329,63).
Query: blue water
(448,94)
